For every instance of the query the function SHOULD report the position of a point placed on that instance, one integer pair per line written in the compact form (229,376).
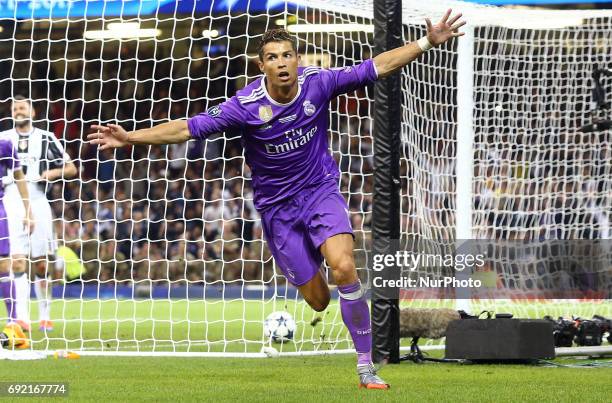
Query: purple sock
(356,317)
(7,286)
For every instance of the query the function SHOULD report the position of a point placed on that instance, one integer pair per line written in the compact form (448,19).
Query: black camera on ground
(584,332)
(605,325)
(589,333)
(564,331)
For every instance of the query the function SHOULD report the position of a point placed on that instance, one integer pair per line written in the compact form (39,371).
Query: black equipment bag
(500,339)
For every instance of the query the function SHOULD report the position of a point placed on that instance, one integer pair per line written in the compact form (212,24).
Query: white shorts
(42,241)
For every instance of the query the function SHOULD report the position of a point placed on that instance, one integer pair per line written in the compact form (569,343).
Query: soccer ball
(279,326)
(13,337)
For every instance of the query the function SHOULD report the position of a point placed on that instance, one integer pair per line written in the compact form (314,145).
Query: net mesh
(172,244)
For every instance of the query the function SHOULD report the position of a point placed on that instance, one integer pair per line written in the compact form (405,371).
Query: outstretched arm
(113,136)
(391,61)
(219,118)
(69,170)
(22,187)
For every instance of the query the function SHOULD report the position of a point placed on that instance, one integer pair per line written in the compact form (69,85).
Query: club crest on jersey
(265,112)
(309,108)
(214,111)
(23,144)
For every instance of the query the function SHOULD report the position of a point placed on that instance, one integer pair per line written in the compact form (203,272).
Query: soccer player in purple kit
(283,119)
(9,161)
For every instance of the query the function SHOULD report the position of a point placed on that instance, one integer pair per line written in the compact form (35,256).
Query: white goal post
(176,262)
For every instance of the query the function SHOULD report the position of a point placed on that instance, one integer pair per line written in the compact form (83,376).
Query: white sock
(22,297)
(41,286)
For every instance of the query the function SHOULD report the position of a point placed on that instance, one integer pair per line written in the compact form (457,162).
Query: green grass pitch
(292,379)
(146,324)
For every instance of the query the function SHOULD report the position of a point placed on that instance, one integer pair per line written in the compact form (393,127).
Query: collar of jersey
(265,90)
(25,134)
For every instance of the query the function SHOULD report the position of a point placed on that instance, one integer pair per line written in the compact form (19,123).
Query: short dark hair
(20,97)
(275,35)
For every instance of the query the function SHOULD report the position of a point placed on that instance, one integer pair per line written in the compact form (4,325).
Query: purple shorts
(5,249)
(296,228)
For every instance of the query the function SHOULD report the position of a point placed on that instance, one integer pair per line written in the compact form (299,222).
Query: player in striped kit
(9,161)
(283,120)
(43,160)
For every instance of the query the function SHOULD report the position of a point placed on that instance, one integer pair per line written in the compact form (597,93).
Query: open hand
(109,136)
(447,28)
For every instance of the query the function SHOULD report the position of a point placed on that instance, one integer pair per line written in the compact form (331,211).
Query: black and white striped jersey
(38,152)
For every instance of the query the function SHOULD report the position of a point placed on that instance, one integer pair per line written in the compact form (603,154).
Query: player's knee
(344,269)
(18,264)
(40,266)
(318,300)
(321,303)
(5,265)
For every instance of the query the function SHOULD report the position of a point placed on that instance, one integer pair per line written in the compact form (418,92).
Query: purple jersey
(285,145)
(8,160)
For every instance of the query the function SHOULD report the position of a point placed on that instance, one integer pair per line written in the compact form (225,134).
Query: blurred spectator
(185,212)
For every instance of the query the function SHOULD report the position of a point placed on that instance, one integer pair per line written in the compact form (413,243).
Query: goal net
(175,258)
(493,151)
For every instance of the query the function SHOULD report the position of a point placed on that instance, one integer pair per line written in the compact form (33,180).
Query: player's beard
(22,121)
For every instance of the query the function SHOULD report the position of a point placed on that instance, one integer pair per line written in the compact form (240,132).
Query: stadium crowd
(185,212)
(174,213)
